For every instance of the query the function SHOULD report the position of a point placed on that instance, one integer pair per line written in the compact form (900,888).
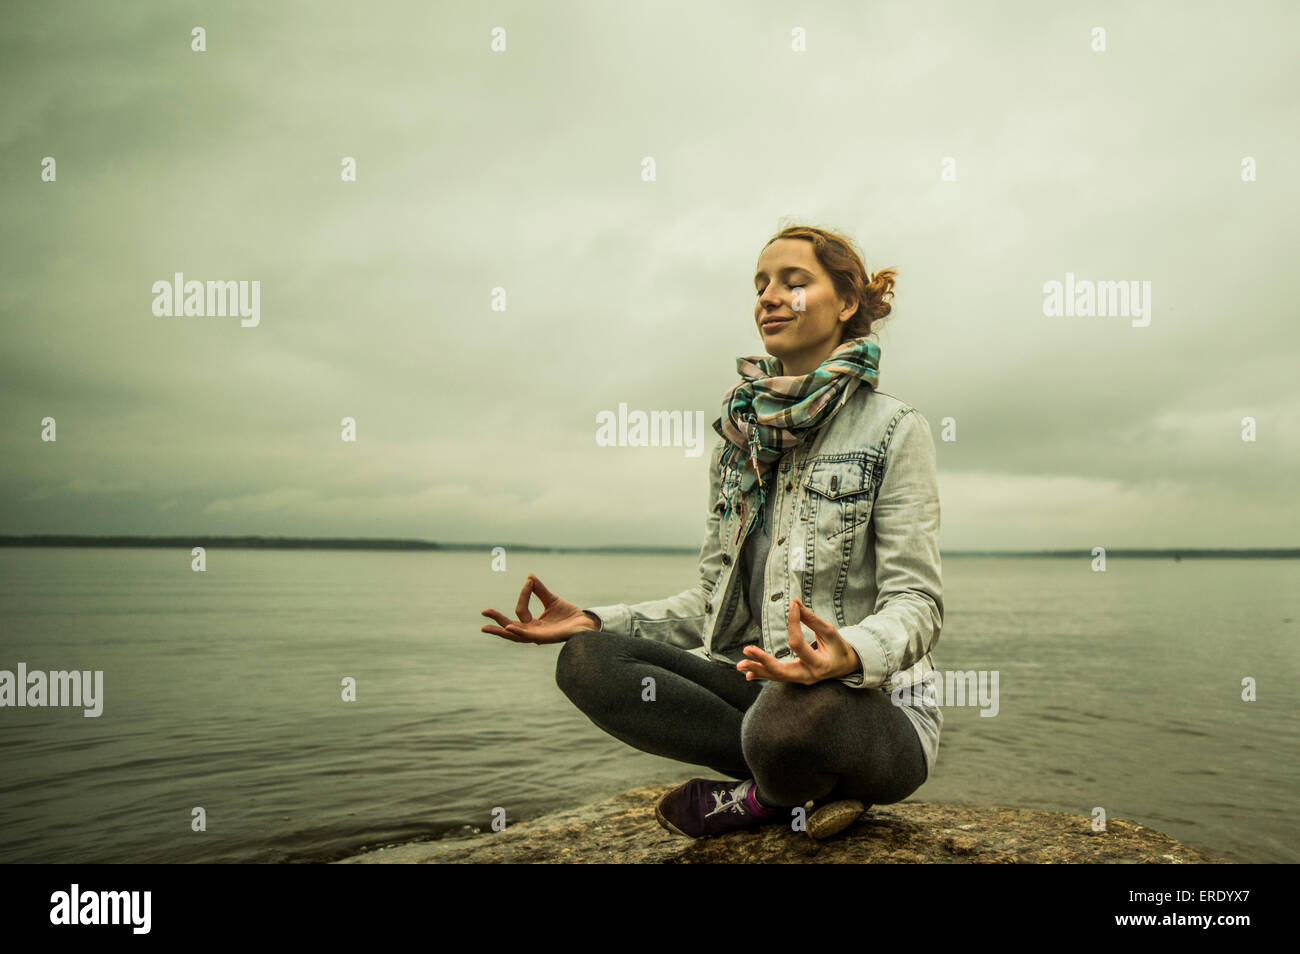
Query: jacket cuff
(855,679)
(615,618)
(875,670)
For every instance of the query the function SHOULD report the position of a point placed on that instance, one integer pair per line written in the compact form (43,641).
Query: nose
(768,299)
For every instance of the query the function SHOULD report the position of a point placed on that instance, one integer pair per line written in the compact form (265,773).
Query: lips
(769,324)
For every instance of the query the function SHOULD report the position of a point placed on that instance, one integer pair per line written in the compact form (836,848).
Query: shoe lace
(722,804)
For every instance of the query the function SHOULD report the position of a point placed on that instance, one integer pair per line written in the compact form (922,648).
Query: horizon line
(263,542)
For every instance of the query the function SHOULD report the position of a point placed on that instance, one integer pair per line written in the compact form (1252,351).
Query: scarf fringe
(727,456)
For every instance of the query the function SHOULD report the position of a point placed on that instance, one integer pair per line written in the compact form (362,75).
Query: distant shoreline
(209,541)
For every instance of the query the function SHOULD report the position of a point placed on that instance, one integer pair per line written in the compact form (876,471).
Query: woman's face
(797,295)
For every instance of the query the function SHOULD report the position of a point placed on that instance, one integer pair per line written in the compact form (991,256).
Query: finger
(809,661)
(822,627)
(535,632)
(752,670)
(759,655)
(521,608)
(798,644)
(543,594)
(768,666)
(505,634)
(501,618)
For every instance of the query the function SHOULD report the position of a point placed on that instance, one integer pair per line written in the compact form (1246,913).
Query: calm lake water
(222,691)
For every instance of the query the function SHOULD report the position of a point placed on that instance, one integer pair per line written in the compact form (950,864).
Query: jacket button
(834,483)
(776,596)
(726,559)
(781,654)
(789,486)
(708,607)
(781,541)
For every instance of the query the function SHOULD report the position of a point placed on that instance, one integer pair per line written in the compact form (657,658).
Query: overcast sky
(523,170)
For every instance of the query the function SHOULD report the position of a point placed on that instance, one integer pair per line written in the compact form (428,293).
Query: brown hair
(843,263)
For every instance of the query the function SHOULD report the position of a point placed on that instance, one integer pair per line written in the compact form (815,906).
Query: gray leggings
(824,741)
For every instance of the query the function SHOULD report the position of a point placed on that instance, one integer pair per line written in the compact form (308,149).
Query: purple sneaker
(703,807)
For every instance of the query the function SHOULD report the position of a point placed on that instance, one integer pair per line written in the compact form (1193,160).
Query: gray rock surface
(623,829)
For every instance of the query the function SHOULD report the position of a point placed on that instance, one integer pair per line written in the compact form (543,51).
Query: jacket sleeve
(678,619)
(908,614)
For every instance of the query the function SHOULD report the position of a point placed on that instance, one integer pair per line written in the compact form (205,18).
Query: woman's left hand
(832,658)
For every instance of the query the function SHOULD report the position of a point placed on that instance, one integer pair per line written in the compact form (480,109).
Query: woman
(819,588)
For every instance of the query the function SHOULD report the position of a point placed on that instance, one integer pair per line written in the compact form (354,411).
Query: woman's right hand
(559,620)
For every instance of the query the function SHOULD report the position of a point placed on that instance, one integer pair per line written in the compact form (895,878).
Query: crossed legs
(824,741)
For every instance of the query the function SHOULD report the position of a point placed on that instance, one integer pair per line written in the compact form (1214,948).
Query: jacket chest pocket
(840,491)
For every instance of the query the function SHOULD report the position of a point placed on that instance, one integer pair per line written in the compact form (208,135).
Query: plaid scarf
(765,414)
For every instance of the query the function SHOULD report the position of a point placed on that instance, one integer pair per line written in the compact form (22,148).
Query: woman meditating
(819,590)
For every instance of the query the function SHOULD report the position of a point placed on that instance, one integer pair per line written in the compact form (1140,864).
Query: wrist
(852,665)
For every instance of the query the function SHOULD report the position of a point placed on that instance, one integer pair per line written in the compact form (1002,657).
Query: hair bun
(875,301)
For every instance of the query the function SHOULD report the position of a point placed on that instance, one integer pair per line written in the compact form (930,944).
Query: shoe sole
(833,818)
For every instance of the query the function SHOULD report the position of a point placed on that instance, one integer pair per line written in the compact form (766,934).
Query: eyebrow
(783,271)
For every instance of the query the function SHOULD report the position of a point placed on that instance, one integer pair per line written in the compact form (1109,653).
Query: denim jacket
(855,534)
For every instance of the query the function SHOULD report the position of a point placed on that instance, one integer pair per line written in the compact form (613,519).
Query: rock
(622,829)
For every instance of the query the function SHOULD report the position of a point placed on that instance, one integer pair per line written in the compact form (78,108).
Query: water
(223,691)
